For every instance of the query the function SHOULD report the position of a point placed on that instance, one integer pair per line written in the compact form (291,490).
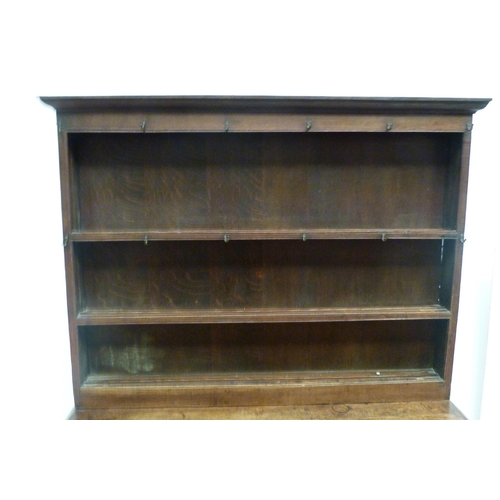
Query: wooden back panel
(263,181)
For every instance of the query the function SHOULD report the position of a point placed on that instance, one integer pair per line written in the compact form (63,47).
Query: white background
(415,49)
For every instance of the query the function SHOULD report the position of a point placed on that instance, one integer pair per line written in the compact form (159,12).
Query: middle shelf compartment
(288,277)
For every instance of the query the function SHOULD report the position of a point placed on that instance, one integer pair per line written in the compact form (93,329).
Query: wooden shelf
(208,390)
(262,252)
(238,234)
(336,377)
(162,316)
(227,390)
(414,410)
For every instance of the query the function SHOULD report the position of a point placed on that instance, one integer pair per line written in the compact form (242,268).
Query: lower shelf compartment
(262,364)
(134,351)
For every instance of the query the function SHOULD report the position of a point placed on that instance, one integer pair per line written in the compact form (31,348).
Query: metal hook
(226,238)
(227,124)
(304,237)
(143,126)
(146,239)
(384,237)
(309,124)
(389,126)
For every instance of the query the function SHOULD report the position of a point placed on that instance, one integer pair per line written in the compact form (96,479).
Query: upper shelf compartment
(265,182)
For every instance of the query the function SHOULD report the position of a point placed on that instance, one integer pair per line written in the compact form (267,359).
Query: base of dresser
(422,410)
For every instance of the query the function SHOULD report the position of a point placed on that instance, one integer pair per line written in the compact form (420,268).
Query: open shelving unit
(262,251)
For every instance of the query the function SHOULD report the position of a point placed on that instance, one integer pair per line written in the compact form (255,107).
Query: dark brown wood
(278,104)
(453,265)
(249,315)
(265,234)
(131,121)
(68,197)
(254,274)
(261,394)
(259,347)
(263,257)
(266,182)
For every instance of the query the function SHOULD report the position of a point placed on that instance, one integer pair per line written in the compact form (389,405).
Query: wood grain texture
(279,182)
(69,217)
(261,393)
(259,274)
(265,234)
(267,113)
(97,317)
(289,105)
(240,181)
(424,410)
(263,252)
(277,348)
(155,122)
(455,255)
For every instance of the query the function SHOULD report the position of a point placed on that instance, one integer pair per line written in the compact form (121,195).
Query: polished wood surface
(250,315)
(270,182)
(259,275)
(425,410)
(277,104)
(276,348)
(256,256)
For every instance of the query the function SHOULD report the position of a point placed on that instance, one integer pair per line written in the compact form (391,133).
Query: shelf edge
(95,318)
(286,234)
(281,104)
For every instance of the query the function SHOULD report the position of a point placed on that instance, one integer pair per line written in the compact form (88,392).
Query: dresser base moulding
(422,410)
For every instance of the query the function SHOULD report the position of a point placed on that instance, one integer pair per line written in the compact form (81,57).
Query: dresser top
(274,104)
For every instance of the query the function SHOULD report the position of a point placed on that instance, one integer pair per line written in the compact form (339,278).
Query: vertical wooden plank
(452,329)
(458,254)
(440,334)
(452,181)
(464,180)
(448,252)
(68,203)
